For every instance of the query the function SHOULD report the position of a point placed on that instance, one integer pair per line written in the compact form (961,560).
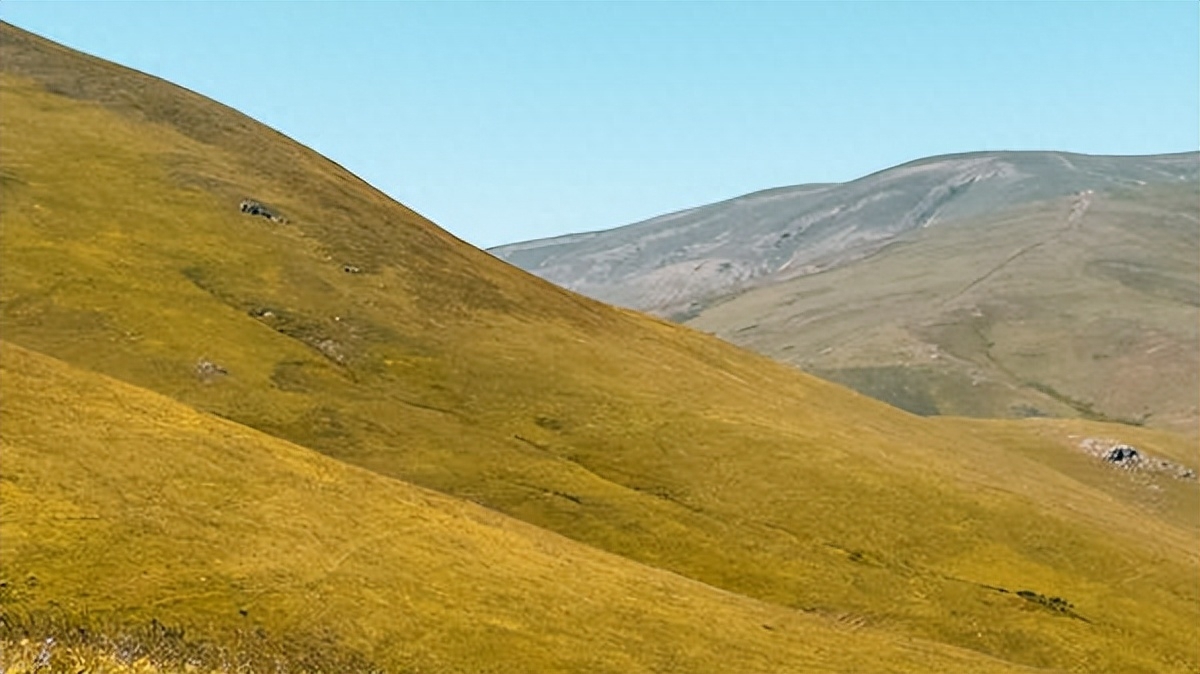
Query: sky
(508,121)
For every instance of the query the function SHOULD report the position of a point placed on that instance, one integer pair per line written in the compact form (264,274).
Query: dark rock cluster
(252,207)
(1128,457)
(1123,454)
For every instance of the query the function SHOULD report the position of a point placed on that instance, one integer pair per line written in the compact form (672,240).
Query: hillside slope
(1082,306)
(235,537)
(676,264)
(352,326)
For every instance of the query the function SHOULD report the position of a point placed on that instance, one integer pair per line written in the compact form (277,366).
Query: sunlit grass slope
(1058,444)
(125,504)
(124,252)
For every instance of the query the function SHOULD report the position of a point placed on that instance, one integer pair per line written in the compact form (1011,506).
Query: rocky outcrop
(252,207)
(1128,457)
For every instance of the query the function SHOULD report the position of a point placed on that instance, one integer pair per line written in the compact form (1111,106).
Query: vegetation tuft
(1056,604)
(57,642)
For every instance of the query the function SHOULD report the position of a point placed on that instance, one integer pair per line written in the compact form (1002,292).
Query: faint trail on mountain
(1073,221)
(1075,217)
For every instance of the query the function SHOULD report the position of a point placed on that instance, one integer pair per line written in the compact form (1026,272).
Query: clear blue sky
(509,121)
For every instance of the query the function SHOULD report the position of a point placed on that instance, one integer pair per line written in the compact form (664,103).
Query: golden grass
(123,252)
(126,504)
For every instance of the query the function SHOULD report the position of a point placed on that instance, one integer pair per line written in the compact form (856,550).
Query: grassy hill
(1081,306)
(360,330)
(121,507)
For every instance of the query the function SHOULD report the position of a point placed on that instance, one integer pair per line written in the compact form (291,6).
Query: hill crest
(675,264)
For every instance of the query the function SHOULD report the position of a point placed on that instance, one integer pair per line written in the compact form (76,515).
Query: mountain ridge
(873,283)
(630,265)
(1082,306)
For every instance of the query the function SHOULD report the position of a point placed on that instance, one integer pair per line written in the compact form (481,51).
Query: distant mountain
(674,264)
(990,284)
(1079,306)
(250,407)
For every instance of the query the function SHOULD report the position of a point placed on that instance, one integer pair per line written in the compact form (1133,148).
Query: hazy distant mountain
(990,284)
(1086,305)
(673,264)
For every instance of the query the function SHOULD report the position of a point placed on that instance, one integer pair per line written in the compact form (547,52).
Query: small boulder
(207,370)
(1123,454)
(252,207)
